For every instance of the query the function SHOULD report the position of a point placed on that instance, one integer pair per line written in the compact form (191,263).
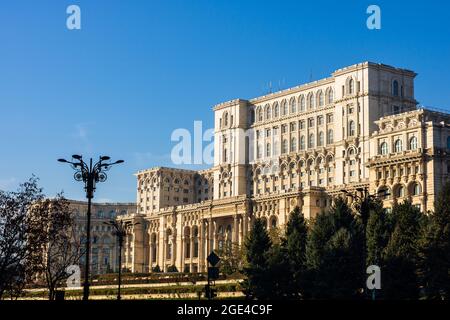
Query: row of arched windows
(302,143)
(398,146)
(400,191)
(294,105)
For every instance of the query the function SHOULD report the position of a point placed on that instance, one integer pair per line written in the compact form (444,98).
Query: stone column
(214,235)
(201,246)
(235,231)
(127,251)
(191,253)
(241,231)
(150,253)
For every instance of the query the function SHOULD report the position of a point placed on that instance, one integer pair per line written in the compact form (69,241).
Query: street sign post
(213,274)
(213,258)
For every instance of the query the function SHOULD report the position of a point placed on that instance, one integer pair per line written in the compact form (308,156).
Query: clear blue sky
(137,70)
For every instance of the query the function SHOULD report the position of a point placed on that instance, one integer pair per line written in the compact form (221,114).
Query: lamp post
(120,231)
(90,174)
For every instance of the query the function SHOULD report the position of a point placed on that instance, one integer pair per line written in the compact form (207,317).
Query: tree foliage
(400,257)
(295,247)
(434,249)
(61,249)
(334,254)
(257,246)
(20,237)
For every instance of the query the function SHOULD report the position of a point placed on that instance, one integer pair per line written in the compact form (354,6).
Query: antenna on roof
(310,75)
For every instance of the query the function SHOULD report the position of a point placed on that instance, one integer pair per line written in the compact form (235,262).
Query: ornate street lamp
(90,174)
(120,231)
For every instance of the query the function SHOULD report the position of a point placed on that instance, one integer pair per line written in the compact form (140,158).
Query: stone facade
(104,248)
(297,147)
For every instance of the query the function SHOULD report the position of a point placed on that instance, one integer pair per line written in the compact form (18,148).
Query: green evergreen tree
(257,246)
(295,246)
(279,274)
(335,254)
(378,231)
(399,272)
(434,250)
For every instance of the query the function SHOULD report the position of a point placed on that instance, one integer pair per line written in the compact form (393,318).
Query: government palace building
(358,131)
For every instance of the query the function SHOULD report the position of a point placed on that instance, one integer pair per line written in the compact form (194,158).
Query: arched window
(268,150)
(311,141)
(415,189)
(351,86)
(413,143)
(330,136)
(225,117)
(293,145)
(320,141)
(383,193)
(283,108)
(320,98)
(276,110)
(268,112)
(395,88)
(398,145)
(260,114)
(351,152)
(284,146)
(311,101)
(330,96)
(383,148)
(302,143)
(351,128)
(293,105)
(302,103)
(400,192)
(273,223)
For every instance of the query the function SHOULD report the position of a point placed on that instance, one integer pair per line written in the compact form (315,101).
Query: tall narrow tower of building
(231,156)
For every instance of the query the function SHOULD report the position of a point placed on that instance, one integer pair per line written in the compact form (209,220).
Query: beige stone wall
(275,152)
(104,248)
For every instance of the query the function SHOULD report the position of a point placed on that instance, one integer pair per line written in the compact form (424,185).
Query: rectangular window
(320,120)
(293,126)
(330,118)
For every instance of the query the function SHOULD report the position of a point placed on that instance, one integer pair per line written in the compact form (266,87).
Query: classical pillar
(191,253)
(201,245)
(241,231)
(178,258)
(210,240)
(234,235)
(150,254)
(214,235)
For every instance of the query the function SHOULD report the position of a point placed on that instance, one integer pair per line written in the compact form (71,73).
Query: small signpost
(213,274)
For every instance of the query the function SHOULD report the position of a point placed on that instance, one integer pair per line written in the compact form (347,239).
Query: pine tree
(378,232)
(279,273)
(434,251)
(399,272)
(295,244)
(257,246)
(335,254)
